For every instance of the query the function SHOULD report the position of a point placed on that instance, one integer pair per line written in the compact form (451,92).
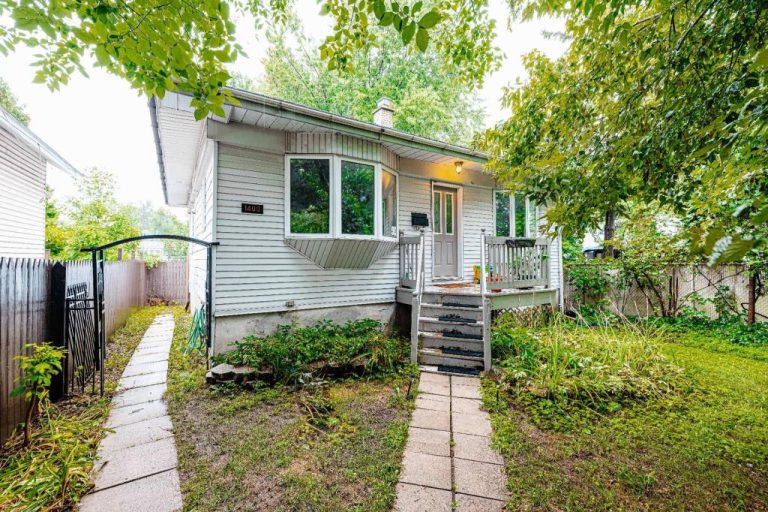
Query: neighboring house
(319,216)
(25,161)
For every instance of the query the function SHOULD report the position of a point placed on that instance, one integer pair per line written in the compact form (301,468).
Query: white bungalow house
(26,163)
(320,216)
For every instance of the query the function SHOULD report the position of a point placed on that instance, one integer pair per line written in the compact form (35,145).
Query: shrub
(38,370)
(562,372)
(323,348)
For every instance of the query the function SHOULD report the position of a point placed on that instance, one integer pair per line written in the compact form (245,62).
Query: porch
(451,322)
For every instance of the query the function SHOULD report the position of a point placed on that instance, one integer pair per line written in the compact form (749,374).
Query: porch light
(459,166)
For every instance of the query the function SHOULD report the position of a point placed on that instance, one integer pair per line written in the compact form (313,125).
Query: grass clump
(562,371)
(326,348)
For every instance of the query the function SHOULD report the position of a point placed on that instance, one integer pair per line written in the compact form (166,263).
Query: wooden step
(434,325)
(437,340)
(450,370)
(438,357)
(438,310)
(456,298)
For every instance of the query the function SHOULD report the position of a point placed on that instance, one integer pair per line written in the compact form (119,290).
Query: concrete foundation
(232,328)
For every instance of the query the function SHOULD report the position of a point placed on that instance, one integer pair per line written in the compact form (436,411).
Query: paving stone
(136,413)
(480,479)
(435,378)
(433,402)
(436,420)
(120,466)
(434,388)
(145,351)
(466,381)
(476,448)
(432,442)
(466,503)
(136,381)
(149,358)
(461,391)
(137,433)
(425,469)
(475,424)
(135,396)
(134,369)
(466,405)
(156,493)
(414,498)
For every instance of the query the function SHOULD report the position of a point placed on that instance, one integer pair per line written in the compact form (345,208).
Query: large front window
(515,215)
(335,196)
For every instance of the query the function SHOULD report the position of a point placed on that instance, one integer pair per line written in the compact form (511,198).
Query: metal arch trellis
(97,269)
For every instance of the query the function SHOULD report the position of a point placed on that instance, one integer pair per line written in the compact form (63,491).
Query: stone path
(448,463)
(136,470)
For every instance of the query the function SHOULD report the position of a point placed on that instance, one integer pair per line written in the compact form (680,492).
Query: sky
(99,121)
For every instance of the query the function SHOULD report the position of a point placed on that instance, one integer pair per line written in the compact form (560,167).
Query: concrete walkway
(448,463)
(136,470)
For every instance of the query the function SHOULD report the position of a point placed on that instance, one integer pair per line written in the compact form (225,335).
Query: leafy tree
(95,217)
(10,103)
(55,232)
(655,100)
(431,99)
(159,46)
(152,220)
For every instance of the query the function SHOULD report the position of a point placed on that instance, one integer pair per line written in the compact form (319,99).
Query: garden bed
(697,441)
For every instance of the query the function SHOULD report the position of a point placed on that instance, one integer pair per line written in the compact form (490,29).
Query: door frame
(459,226)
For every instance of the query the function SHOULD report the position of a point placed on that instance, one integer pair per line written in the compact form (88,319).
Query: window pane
(502,214)
(310,195)
(448,214)
(357,198)
(520,215)
(436,213)
(388,204)
(533,220)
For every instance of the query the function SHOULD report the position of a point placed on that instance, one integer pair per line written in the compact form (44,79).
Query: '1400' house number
(252,208)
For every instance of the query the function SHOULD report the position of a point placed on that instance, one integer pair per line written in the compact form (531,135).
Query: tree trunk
(31,409)
(609,230)
(752,296)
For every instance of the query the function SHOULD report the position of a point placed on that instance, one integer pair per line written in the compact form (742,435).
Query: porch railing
(514,262)
(409,259)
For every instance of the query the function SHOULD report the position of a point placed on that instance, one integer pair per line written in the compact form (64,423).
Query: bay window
(340,197)
(515,215)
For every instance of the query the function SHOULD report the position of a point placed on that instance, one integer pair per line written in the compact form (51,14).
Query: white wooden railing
(514,262)
(412,264)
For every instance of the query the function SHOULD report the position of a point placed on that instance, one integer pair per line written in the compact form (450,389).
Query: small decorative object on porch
(520,242)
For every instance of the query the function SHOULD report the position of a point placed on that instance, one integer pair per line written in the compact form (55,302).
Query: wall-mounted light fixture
(459,166)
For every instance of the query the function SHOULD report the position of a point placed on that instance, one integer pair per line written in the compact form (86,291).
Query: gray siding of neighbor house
(22,199)
(201,218)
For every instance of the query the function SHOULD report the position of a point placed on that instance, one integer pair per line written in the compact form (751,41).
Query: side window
(502,214)
(310,180)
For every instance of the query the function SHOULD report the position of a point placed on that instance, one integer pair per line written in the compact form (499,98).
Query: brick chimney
(383,115)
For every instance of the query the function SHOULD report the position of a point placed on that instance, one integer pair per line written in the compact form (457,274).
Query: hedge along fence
(682,286)
(29,313)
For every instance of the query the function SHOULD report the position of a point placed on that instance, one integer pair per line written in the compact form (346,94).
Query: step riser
(429,342)
(439,326)
(439,298)
(446,360)
(433,312)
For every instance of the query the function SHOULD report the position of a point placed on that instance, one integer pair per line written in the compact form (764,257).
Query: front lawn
(330,447)
(632,418)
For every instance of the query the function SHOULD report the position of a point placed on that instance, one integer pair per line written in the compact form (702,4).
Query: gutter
(152,104)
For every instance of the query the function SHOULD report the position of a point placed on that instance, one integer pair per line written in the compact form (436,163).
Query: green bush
(562,372)
(324,347)
(729,328)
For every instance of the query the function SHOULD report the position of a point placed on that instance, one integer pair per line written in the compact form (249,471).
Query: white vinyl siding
(22,199)
(478,215)
(201,223)
(255,270)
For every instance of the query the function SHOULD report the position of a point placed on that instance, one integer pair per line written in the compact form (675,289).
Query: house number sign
(252,208)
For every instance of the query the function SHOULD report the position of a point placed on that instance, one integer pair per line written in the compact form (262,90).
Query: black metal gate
(80,367)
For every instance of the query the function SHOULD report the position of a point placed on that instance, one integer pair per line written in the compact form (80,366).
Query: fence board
(25,286)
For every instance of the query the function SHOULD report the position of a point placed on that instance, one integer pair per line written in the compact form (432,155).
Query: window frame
(334,209)
(529,207)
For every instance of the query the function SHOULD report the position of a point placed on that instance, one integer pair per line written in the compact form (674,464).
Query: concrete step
(438,357)
(437,340)
(455,299)
(438,310)
(434,325)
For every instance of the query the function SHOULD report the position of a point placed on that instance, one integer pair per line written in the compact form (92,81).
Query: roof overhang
(27,137)
(178,135)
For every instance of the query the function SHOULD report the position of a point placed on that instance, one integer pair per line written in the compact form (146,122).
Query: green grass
(280,448)
(52,473)
(704,448)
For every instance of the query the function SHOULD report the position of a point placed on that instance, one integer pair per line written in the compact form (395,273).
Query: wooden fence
(27,307)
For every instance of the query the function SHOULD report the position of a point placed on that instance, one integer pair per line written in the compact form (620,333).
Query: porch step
(439,310)
(438,340)
(439,357)
(449,370)
(427,324)
(447,298)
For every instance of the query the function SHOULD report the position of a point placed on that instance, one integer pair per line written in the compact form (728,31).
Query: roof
(27,137)
(177,135)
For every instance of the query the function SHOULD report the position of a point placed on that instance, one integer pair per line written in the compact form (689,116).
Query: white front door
(445,220)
